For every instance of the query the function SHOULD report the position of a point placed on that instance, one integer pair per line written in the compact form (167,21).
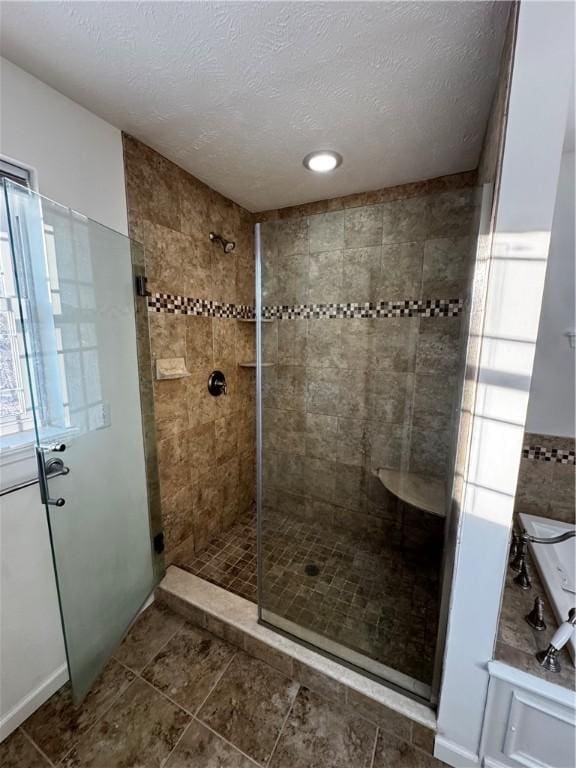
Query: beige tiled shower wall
(206,445)
(347,396)
(547,488)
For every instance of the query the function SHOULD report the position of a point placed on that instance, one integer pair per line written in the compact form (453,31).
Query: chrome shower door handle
(53,448)
(52,468)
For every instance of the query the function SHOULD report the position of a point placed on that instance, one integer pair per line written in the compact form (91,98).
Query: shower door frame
(259,444)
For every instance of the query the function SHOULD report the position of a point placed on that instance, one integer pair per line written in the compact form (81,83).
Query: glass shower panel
(359,334)
(76,294)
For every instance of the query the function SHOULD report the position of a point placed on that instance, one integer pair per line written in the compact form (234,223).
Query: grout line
(138,676)
(130,669)
(168,698)
(173,701)
(155,653)
(101,717)
(160,649)
(224,670)
(36,747)
(175,747)
(195,717)
(281,731)
(374,747)
(226,741)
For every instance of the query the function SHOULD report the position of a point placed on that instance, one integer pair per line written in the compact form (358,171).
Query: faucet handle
(217,384)
(564,631)
(535,618)
(549,658)
(523,578)
(514,542)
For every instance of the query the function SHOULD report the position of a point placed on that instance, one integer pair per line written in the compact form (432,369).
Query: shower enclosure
(361,329)
(70,396)
(360,346)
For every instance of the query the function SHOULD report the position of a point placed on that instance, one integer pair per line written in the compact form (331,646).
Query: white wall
(78,156)
(32,658)
(524,214)
(551,405)
(78,161)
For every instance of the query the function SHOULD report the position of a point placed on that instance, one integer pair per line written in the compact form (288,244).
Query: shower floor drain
(311,569)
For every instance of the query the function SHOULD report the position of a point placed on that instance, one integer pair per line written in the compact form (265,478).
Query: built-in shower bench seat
(420,491)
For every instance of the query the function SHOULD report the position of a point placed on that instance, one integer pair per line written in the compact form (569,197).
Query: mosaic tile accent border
(182,305)
(371,310)
(166,302)
(552,455)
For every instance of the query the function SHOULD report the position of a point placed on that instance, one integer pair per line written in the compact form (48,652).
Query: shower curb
(235,620)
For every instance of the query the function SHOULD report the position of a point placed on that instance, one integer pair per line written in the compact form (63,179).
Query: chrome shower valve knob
(217,384)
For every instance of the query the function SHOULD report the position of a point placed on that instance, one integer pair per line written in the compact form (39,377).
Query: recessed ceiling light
(322,161)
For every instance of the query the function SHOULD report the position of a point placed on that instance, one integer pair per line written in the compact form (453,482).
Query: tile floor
(378,599)
(176,696)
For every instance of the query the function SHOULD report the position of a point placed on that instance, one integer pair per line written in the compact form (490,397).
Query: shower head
(227,245)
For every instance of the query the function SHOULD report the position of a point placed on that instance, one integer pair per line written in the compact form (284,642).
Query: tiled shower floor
(229,560)
(375,600)
(176,696)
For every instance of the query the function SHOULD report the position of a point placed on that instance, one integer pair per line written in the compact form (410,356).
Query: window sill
(13,444)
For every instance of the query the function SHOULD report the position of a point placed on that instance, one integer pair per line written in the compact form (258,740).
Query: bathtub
(556,564)
(530,721)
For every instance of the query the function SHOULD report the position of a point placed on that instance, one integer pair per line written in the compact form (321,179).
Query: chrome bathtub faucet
(519,551)
(535,618)
(549,658)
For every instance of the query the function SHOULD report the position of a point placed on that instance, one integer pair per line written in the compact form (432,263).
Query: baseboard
(488,762)
(455,755)
(32,701)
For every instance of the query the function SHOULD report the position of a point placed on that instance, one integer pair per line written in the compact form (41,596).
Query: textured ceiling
(238,92)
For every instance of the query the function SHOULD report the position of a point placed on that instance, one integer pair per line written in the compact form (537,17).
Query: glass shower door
(76,297)
(359,346)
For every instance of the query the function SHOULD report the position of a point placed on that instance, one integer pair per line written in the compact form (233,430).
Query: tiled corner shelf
(420,491)
(253,364)
(253,319)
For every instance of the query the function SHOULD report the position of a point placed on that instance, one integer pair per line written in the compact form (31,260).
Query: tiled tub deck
(176,696)
(518,643)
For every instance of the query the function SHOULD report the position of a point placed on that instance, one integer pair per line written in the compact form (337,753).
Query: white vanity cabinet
(529,723)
